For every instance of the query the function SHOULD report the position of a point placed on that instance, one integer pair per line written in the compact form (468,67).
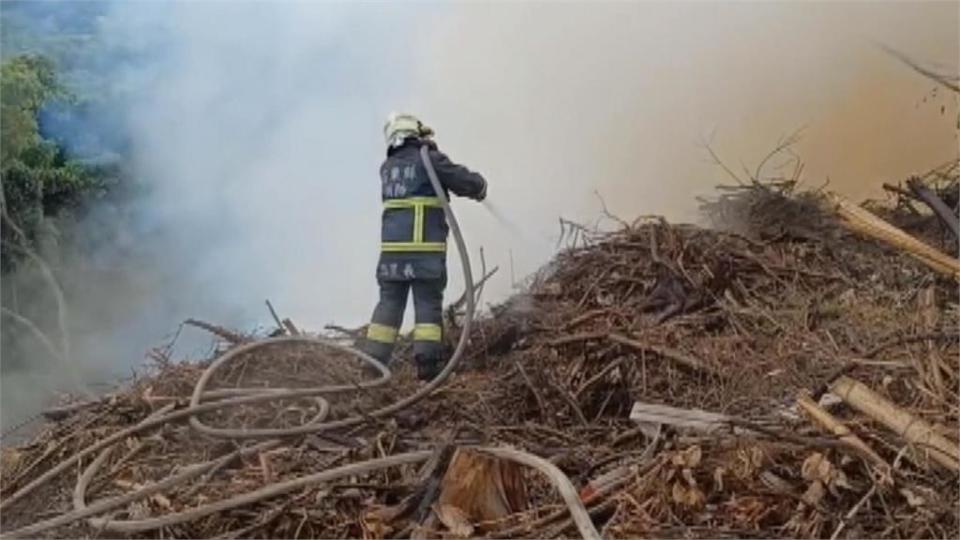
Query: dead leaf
(132,443)
(718,478)
(162,501)
(688,476)
(814,493)
(774,482)
(840,480)
(688,458)
(454,519)
(383,514)
(679,493)
(817,467)
(373,524)
(687,496)
(913,499)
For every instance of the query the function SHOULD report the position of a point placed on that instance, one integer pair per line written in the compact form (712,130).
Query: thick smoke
(558,102)
(255,129)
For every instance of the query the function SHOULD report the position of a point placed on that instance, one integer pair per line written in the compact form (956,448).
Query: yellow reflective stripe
(418,205)
(412,247)
(418,224)
(413,202)
(427,332)
(381,333)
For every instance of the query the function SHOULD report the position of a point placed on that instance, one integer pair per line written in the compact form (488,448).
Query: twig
(276,318)
(853,511)
(606,212)
(354,333)
(939,207)
(903,340)
(571,401)
(679,357)
(430,478)
(599,376)
(533,390)
(220,331)
(587,336)
(945,80)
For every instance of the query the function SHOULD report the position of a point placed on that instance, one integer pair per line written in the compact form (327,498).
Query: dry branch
(680,358)
(219,331)
(940,208)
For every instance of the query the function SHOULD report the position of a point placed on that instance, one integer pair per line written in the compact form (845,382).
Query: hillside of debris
(791,372)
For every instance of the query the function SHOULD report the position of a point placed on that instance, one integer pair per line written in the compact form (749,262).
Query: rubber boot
(428,367)
(368,370)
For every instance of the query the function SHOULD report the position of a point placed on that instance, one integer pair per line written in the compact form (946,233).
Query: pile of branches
(782,378)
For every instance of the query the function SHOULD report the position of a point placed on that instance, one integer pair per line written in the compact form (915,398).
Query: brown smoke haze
(553,102)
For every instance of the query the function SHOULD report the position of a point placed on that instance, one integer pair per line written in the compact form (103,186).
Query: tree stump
(483,487)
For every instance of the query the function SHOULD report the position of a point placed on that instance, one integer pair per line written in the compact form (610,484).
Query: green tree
(28,81)
(38,181)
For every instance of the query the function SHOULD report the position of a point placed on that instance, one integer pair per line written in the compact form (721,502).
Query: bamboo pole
(864,222)
(925,436)
(828,422)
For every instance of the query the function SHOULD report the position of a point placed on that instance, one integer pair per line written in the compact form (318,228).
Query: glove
(483,194)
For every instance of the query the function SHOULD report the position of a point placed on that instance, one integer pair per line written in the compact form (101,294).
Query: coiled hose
(238,396)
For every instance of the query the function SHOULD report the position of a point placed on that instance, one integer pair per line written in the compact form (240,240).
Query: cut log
(926,438)
(482,486)
(826,420)
(864,222)
(695,419)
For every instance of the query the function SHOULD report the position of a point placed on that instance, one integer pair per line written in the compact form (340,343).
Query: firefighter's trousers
(388,316)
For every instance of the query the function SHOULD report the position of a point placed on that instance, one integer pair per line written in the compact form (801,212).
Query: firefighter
(413,249)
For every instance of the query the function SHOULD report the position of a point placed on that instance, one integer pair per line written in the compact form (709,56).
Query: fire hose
(203,400)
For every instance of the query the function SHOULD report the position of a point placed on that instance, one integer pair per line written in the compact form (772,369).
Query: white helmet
(400,126)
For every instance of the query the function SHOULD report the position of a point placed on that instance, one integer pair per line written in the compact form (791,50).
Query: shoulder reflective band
(417,204)
(381,333)
(427,332)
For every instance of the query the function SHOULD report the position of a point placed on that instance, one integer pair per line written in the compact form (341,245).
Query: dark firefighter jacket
(414,230)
